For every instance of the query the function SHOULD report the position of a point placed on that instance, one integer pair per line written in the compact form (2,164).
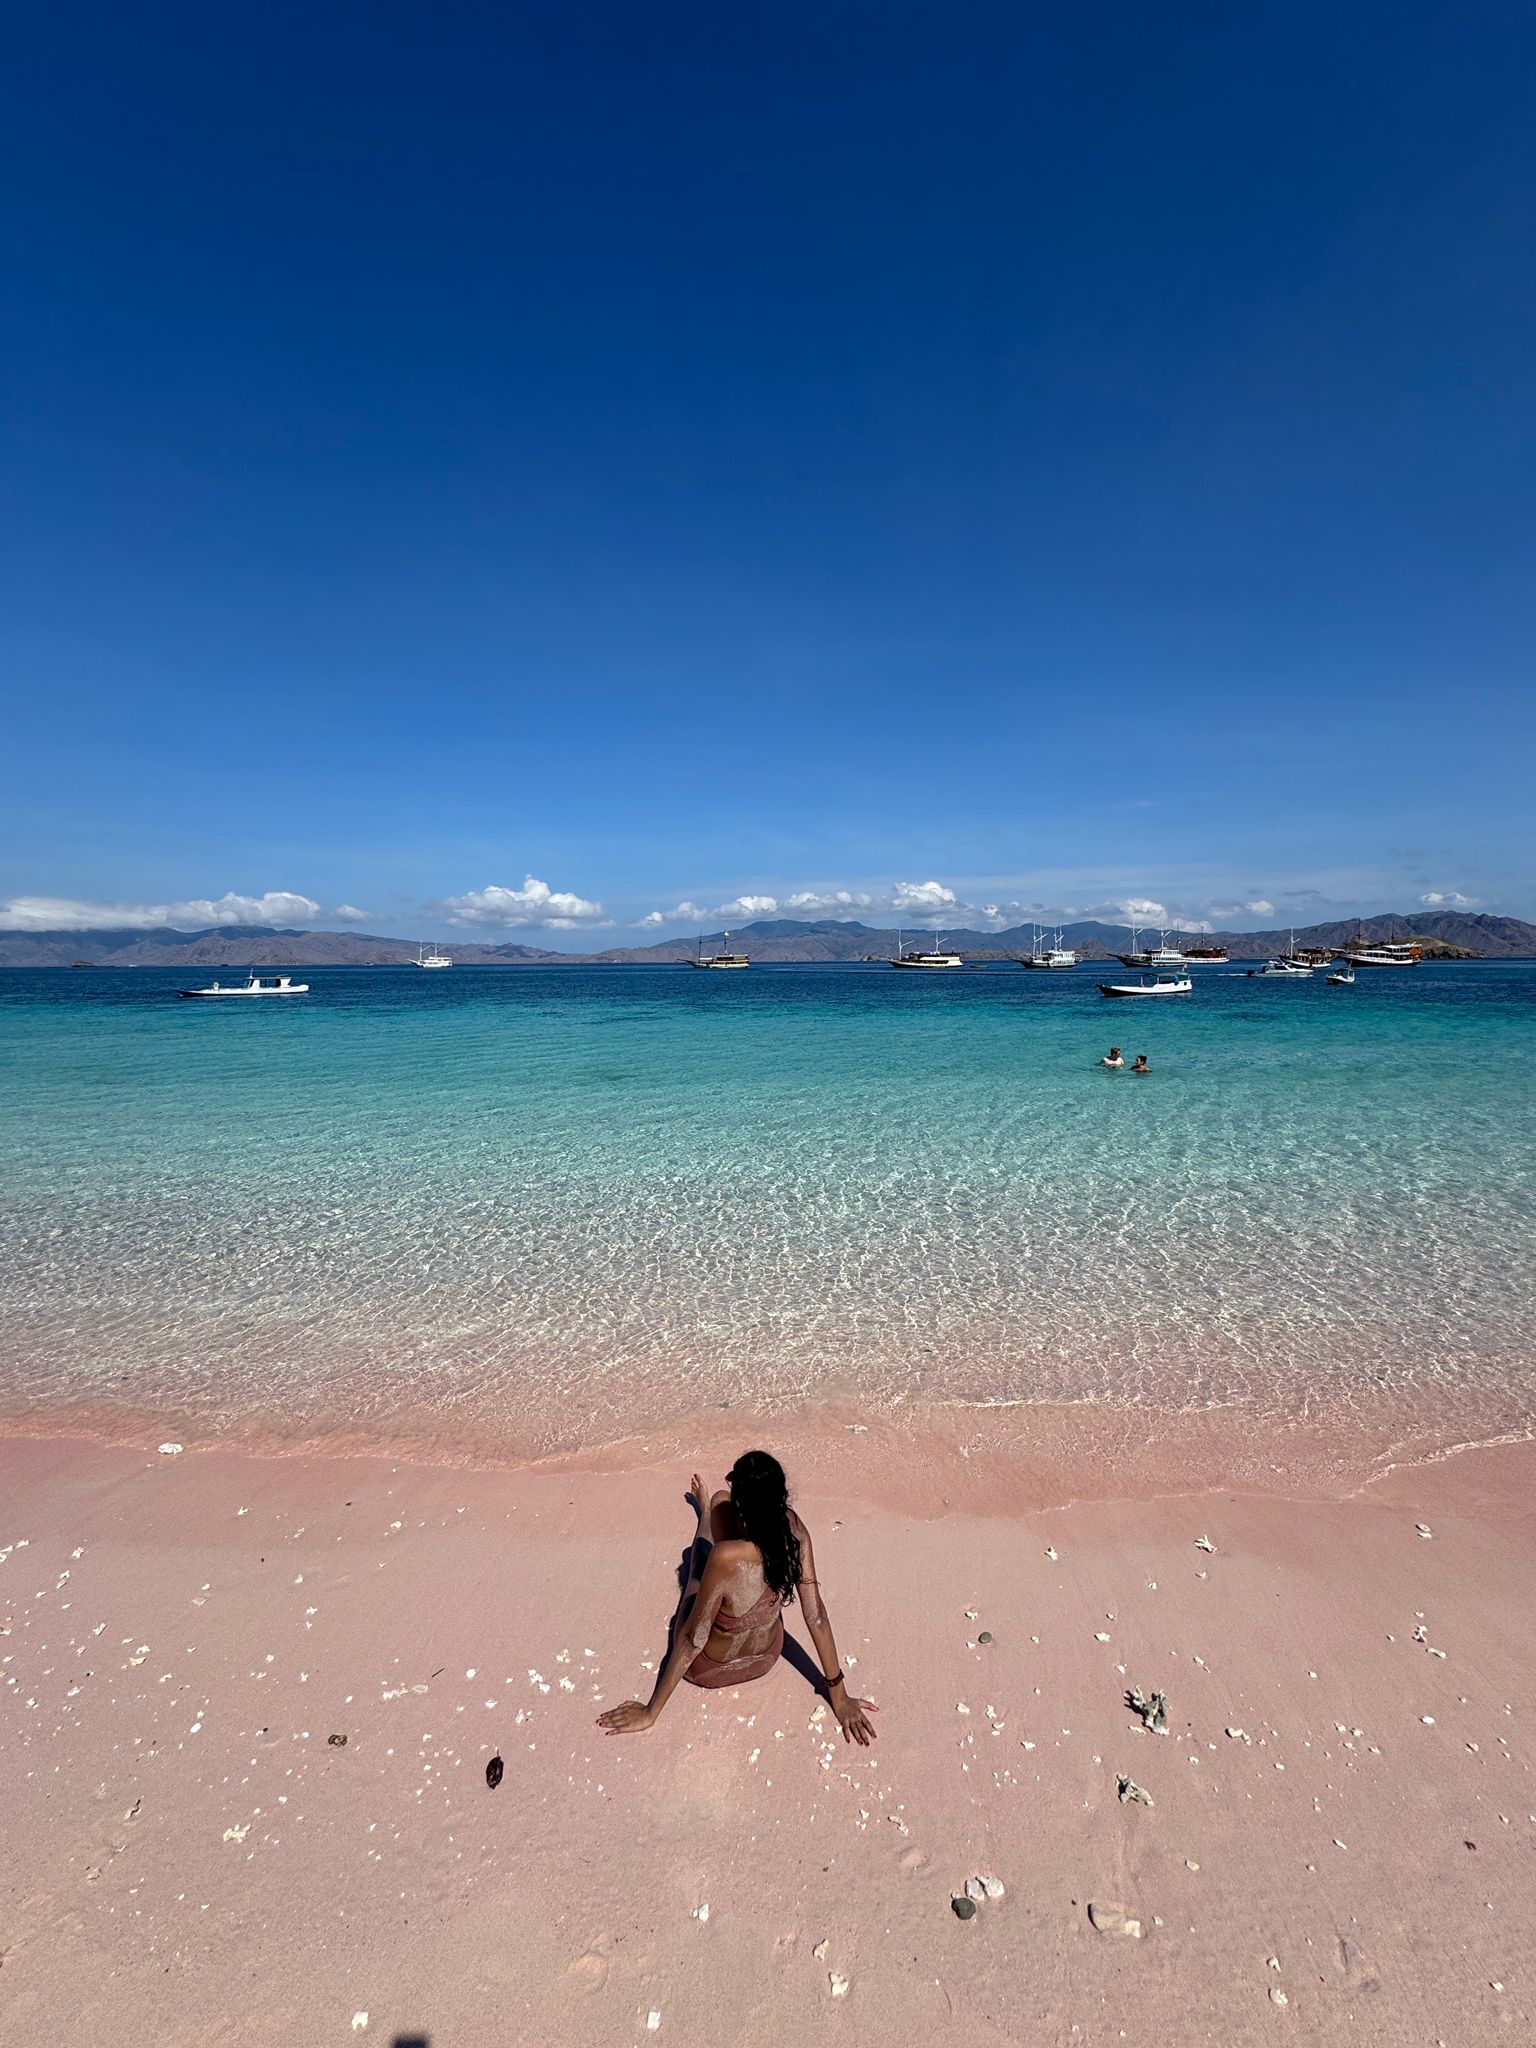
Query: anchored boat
(720,959)
(1157,985)
(938,958)
(254,985)
(1049,956)
(1161,956)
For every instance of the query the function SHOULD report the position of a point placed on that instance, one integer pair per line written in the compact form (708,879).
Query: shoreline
(1005,1459)
(192,1860)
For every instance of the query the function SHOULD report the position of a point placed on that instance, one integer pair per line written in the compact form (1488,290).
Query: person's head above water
(760,1496)
(1141,1066)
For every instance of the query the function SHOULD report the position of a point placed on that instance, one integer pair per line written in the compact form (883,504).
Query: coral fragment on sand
(1152,1707)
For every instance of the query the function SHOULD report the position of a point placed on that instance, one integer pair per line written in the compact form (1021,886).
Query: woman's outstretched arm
(853,1714)
(690,1636)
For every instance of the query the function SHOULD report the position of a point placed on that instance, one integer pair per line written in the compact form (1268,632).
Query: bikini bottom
(711,1671)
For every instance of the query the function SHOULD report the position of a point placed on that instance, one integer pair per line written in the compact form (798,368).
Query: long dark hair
(760,1495)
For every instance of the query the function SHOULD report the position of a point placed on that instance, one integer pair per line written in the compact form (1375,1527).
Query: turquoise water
(540,1208)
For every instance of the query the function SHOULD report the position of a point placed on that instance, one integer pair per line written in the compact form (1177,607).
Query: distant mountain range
(238,945)
(1493,938)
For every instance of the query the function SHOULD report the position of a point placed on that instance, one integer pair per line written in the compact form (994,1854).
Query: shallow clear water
(538,1208)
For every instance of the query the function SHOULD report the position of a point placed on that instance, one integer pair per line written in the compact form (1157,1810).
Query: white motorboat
(1156,985)
(720,959)
(432,959)
(1342,977)
(1042,955)
(937,958)
(254,985)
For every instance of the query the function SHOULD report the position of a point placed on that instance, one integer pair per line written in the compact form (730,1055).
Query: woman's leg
(704,1540)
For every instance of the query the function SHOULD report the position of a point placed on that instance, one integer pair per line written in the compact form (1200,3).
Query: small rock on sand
(172,1450)
(1114,1920)
(837,1985)
(993,1887)
(1277,1996)
(985,1636)
(963,1908)
(975,1889)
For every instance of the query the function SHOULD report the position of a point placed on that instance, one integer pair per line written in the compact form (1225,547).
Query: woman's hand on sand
(856,1724)
(629,1719)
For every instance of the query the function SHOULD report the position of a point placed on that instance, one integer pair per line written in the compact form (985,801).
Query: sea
(513,1213)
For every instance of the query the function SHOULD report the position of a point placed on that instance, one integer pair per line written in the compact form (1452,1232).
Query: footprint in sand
(589,1972)
(911,1859)
(1355,1968)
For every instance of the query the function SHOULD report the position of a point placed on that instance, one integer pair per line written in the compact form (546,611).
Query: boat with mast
(938,958)
(1287,967)
(434,958)
(725,958)
(1056,955)
(1163,957)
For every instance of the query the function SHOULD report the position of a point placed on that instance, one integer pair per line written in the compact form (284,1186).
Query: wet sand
(1342,1841)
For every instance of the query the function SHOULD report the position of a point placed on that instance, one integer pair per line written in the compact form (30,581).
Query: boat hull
(1171,988)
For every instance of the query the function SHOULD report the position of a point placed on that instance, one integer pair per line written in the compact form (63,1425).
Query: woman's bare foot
(698,1493)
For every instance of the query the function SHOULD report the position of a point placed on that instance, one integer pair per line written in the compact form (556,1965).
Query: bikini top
(762,1610)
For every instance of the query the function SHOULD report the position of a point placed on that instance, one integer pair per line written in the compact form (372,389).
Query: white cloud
(924,896)
(1448,899)
(903,899)
(1256,906)
(64,913)
(682,913)
(1138,910)
(348,913)
(534,903)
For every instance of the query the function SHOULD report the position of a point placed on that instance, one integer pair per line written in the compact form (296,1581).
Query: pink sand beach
(1340,1844)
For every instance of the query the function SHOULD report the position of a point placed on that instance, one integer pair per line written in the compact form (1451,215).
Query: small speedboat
(1342,977)
(253,985)
(1159,985)
(1290,970)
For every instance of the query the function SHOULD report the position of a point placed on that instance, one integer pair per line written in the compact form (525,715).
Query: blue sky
(528,469)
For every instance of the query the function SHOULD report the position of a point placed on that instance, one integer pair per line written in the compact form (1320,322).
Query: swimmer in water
(1141,1066)
(1112,1058)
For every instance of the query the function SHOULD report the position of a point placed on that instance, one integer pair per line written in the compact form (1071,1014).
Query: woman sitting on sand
(751,1555)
